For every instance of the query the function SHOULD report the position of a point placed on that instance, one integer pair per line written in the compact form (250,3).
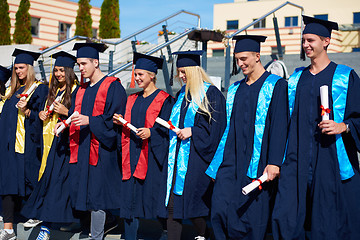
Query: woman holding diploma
(199,113)
(20,131)
(50,200)
(143,153)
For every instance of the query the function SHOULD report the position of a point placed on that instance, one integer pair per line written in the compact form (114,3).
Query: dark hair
(70,79)
(323,39)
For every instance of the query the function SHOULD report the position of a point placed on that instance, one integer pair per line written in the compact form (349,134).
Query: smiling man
(319,184)
(253,144)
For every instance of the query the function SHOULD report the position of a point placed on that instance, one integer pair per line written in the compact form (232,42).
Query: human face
(21,70)
(143,78)
(59,73)
(87,66)
(182,74)
(247,61)
(313,45)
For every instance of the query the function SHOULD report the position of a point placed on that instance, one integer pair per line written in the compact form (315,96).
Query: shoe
(44,234)
(109,226)
(1,219)
(164,235)
(32,223)
(200,238)
(73,227)
(4,235)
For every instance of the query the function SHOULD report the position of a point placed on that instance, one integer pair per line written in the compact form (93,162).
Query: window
(35,26)
(356,49)
(64,31)
(218,52)
(232,24)
(261,24)
(94,32)
(321,16)
(291,21)
(356,17)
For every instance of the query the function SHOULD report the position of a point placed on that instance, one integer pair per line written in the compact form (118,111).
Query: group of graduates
(195,165)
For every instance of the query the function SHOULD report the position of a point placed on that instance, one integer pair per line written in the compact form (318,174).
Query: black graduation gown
(206,135)
(247,216)
(98,187)
(310,185)
(50,200)
(19,172)
(139,198)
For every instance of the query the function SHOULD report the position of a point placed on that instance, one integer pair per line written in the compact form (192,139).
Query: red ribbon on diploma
(48,112)
(324,110)
(260,187)
(64,122)
(172,127)
(24,95)
(126,125)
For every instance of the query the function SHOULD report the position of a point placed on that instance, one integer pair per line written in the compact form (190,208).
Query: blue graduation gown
(19,172)
(206,134)
(50,200)
(139,198)
(240,216)
(98,187)
(311,191)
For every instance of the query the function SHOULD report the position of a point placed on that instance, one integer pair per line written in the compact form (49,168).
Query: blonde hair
(152,75)
(15,82)
(195,78)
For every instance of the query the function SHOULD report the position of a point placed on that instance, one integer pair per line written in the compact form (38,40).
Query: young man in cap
(94,171)
(253,144)
(319,184)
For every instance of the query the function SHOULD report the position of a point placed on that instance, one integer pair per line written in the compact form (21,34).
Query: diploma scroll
(324,98)
(250,187)
(166,124)
(23,96)
(67,122)
(128,125)
(51,108)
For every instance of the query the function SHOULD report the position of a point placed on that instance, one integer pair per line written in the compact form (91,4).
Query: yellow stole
(20,129)
(48,134)
(2,102)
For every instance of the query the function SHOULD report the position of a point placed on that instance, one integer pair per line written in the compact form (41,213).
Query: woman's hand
(60,108)
(56,128)
(43,115)
(184,133)
(143,133)
(22,105)
(116,119)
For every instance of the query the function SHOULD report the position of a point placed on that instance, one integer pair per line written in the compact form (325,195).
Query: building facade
(52,21)
(232,16)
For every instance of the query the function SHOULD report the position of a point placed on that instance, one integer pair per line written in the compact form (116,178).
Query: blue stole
(339,89)
(264,99)
(184,150)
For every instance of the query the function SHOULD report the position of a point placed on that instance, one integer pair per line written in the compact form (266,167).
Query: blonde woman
(20,131)
(199,112)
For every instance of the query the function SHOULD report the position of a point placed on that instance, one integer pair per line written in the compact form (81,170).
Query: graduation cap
(64,59)
(146,62)
(4,74)
(89,50)
(318,26)
(24,56)
(188,58)
(248,43)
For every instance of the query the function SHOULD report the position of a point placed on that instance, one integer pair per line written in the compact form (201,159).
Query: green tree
(5,24)
(83,20)
(22,32)
(109,19)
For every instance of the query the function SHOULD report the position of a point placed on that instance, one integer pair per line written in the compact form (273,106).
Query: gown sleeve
(37,101)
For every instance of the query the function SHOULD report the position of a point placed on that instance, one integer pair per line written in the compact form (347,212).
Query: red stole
(151,114)
(98,109)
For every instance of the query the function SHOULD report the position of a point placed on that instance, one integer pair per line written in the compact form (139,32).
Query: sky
(137,14)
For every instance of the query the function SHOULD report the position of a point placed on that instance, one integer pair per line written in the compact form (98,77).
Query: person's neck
(319,63)
(97,76)
(255,75)
(149,90)
(62,86)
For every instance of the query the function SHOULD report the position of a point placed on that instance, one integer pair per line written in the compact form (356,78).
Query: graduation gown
(139,198)
(206,134)
(19,172)
(246,217)
(98,187)
(50,200)
(311,191)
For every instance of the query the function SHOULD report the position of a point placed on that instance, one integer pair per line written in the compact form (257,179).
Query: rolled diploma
(129,125)
(28,92)
(250,187)
(324,98)
(68,121)
(166,124)
(51,108)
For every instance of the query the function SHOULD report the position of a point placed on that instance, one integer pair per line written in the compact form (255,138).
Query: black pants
(8,207)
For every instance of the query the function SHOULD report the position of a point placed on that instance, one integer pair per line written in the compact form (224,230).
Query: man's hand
(143,133)
(116,119)
(330,127)
(80,120)
(184,133)
(56,128)
(272,171)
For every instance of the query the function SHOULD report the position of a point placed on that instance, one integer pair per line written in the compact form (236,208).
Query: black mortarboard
(64,59)
(318,26)
(248,43)
(147,62)
(188,58)
(89,50)
(5,74)
(24,56)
